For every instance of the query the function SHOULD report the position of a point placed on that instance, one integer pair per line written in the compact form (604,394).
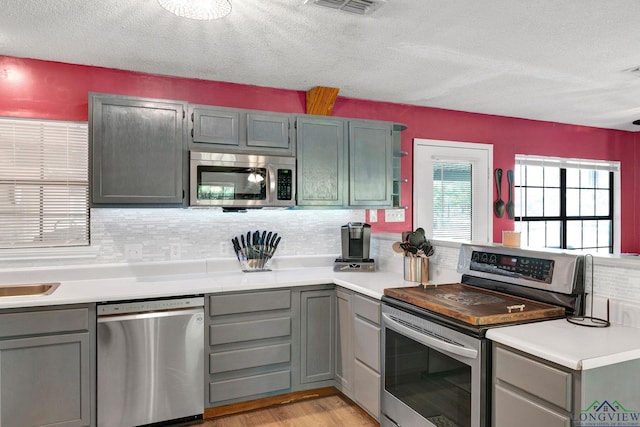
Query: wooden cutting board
(473,305)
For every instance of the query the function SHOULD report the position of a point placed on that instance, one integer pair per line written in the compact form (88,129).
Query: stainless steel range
(436,359)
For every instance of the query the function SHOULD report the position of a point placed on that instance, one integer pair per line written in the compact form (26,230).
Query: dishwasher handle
(150,315)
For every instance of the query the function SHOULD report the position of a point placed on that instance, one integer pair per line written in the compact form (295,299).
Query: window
(451,185)
(452,195)
(43,183)
(566,203)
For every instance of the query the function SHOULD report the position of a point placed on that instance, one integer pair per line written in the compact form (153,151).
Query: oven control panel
(537,269)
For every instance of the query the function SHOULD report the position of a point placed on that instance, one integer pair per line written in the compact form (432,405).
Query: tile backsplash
(157,235)
(170,234)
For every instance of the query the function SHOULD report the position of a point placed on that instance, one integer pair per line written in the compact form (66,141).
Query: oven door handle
(429,340)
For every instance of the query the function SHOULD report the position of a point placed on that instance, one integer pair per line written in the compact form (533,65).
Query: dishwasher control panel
(112,309)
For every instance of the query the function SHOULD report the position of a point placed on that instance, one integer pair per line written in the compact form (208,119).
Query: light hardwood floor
(326,411)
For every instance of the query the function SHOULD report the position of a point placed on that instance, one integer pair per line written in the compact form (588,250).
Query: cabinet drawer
(539,379)
(249,386)
(512,409)
(253,330)
(249,302)
(367,388)
(367,308)
(366,343)
(249,358)
(44,322)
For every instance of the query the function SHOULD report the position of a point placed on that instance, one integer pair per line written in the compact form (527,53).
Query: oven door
(432,375)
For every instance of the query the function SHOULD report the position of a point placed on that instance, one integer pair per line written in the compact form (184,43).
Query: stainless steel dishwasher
(150,361)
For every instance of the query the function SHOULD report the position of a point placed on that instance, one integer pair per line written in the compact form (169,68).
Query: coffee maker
(356,238)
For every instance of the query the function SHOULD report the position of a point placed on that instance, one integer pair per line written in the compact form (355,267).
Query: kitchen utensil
(499,205)
(510,206)
(397,247)
(255,249)
(244,247)
(417,237)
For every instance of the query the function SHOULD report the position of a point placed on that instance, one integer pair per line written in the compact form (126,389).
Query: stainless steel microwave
(241,180)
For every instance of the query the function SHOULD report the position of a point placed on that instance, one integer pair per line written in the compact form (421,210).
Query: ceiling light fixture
(203,10)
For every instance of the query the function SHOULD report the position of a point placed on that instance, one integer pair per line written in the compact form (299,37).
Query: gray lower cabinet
(249,342)
(317,326)
(366,351)
(344,341)
(137,150)
(358,349)
(47,367)
(530,393)
(238,130)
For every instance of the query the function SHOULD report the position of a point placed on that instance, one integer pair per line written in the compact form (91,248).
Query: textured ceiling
(555,60)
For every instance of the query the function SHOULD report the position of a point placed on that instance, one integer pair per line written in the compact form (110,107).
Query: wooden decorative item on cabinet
(320,100)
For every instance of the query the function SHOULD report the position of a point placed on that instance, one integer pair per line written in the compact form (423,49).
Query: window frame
(74,137)
(613,169)
(427,150)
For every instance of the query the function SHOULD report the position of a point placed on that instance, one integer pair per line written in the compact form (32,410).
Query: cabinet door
(321,164)
(45,381)
(514,409)
(367,388)
(344,338)
(270,131)
(138,153)
(317,329)
(217,126)
(370,164)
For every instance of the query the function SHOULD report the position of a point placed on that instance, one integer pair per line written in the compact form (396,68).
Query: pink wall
(42,89)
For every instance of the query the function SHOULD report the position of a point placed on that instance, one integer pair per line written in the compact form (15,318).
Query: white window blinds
(43,183)
(452,200)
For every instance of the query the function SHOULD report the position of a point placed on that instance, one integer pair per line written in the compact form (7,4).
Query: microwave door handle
(271,183)
(429,340)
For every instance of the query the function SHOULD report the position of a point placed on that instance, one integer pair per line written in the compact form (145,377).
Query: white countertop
(89,290)
(572,346)
(575,347)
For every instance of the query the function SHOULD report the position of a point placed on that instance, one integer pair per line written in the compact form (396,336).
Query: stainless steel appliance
(436,360)
(356,240)
(241,180)
(150,361)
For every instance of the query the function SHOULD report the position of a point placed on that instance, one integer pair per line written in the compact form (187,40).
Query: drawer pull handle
(515,307)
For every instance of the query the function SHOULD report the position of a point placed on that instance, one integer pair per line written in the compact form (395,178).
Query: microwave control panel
(538,269)
(285,184)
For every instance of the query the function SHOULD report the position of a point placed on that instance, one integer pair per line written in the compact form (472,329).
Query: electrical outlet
(394,215)
(133,251)
(373,215)
(175,250)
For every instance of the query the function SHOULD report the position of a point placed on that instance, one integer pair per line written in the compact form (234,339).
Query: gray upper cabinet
(216,126)
(236,130)
(370,164)
(46,367)
(137,149)
(321,158)
(344,162)
(269,130)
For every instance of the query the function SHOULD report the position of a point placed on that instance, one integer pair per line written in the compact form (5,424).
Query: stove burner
(470,298)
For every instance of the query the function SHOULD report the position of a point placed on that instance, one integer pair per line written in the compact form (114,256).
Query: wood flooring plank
(327,411)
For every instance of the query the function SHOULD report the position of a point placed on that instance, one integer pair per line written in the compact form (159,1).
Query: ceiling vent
(360,7)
